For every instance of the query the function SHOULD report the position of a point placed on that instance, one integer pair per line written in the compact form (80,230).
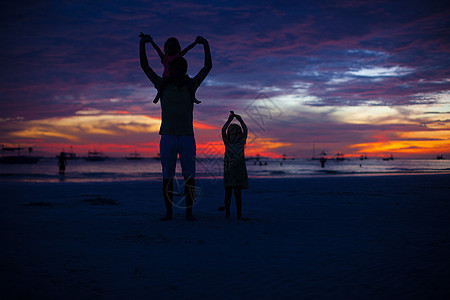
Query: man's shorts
(169,147)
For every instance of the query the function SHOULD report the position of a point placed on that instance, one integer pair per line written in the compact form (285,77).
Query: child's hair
(237,136)
(172,42)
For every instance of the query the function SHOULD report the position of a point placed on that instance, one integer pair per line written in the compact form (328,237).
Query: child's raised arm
(185,50)
(244,127)
(225,126)
(160,53)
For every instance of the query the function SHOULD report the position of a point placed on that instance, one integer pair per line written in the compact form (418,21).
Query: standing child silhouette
(235,171)
(172,50)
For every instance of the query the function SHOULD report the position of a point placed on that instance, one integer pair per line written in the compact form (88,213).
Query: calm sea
(121,169)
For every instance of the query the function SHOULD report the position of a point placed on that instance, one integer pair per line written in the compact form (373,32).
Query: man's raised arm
(144,62)
(208,61)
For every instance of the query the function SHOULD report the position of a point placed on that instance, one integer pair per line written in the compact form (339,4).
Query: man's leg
(189,192)
(168,150)
(168,198)
(187,151)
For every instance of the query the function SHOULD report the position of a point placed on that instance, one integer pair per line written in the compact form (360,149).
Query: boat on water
(95,156)
(134,156)
(440,156)
(17,158)
(68,155)
(391,157)
(340,156)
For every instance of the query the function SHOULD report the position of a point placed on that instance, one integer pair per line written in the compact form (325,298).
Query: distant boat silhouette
(322,154)
(95,156)
(18,159)
(440,156)
(391,157)
(340,156)
(68,155)
(134,156)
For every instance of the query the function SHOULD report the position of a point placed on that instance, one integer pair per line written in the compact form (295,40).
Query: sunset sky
(352,76)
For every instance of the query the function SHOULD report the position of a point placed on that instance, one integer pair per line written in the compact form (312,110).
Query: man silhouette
(177,132)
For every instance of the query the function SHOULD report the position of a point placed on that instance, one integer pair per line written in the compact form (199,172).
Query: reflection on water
(79,170)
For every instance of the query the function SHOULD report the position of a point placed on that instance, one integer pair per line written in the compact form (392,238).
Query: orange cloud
(198,125)
(78,128)
(107,130)
(416,142)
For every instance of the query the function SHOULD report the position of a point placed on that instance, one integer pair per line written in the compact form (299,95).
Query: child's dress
(235,170)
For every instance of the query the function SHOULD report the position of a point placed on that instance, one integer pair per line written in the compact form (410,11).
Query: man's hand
(145,38)
(201,40)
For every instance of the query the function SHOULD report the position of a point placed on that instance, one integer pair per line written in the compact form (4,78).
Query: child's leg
(228,194)
(237,197)
(162,85)
(190,83)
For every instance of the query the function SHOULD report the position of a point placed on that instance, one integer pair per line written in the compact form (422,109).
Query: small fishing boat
(391,157)
(134,156)
(95,156)
(340,156)
(17,158)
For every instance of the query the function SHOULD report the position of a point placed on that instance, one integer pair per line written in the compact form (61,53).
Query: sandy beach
(355,237)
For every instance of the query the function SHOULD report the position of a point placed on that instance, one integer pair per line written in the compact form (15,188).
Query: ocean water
(121,169)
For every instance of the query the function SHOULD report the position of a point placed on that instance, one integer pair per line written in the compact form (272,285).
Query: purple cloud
(60,58)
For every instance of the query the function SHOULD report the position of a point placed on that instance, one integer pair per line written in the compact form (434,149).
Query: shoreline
(56,178)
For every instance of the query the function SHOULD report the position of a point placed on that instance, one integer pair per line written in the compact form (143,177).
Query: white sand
(380,237)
